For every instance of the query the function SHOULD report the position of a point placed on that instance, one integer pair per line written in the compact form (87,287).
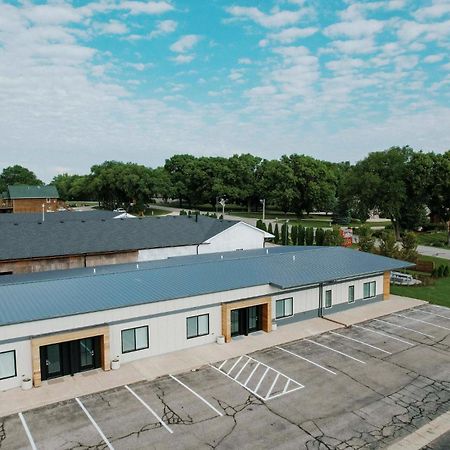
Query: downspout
(321,300)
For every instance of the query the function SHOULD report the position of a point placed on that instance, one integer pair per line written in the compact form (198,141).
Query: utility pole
(263,201)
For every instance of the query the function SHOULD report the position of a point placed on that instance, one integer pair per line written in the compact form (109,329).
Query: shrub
(440,271)
(294,234)
(388,245)
(446,271)
(270,229)
(309,236)
(328,237)
(276,234)
(301,232)
(183,213)
(284,234)
(409,247)
(366,239)
(320,235)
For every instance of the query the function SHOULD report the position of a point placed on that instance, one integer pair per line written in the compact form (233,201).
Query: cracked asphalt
(397,382)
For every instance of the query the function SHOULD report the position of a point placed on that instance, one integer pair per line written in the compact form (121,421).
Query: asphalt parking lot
(358,387)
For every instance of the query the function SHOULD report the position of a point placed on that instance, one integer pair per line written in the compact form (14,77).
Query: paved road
(433,251)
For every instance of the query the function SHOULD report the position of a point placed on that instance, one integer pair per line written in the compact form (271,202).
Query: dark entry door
(245,320)
(87,354)
(53,361)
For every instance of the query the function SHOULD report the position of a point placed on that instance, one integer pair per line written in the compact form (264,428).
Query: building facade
(29,199)
(67,324)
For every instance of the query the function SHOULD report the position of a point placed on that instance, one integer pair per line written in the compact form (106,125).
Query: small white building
(59,323)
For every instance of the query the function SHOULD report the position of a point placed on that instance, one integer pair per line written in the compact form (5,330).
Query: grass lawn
(156,212)
(435,239)
(438,292)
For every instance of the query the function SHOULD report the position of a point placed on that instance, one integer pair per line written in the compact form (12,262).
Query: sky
(82,82)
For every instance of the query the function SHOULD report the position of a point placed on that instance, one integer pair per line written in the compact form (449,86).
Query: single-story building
(59,323)
(22,198)
(66,244)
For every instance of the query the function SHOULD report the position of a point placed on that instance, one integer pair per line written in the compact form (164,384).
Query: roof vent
(16,223)
(40,223)
(94,270)
(293,258)
(103,220)
(267,251)
(83,221)
(137,266)
(61,221)
(221,256)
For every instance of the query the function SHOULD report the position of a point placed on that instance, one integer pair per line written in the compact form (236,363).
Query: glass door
(254,318)
(234,322)
(53,360)
(87,360)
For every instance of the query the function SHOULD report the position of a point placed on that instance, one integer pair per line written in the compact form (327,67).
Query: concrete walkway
(424,435)
(16,400)
(434,251)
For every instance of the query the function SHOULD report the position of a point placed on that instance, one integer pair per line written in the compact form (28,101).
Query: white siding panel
(23,363)
(152,254)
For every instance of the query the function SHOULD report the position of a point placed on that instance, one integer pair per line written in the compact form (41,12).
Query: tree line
(399,183)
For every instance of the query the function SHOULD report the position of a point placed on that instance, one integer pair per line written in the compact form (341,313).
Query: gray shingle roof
(25,191)
(184,277)
(57,216)
(33,240)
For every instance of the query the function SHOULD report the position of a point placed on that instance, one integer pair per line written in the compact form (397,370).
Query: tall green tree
(320,236)
(301,233)
(309,236)
(366,240)
(18,175)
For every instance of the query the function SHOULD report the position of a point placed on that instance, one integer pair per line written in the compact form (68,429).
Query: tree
(379,182)
(320,235)
(284,234)
(388,245)
(18,175)
(328,238)
(309,236)
(366,240)
(301,233)
(276,233)
(409,247)
(294,234)
(270,228)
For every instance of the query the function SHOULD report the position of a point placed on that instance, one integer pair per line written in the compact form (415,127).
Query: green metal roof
(17,191)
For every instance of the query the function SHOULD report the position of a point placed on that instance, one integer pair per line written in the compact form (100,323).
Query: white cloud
(236,75)
(164,27)
(355,29)
(406,62)
(263,43)
(289,35)
(276,19)
(244,61)
(185,43)
(260,91)
(113,27)
(433,12)
(345,65)
(183,59)
(52,14)
(410,30)
(136,7)
(355,46)
(433,58)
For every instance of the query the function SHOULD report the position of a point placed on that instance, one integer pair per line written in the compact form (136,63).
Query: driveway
(434,251)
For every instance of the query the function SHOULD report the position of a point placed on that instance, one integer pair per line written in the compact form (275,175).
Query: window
(328,299)
(134,339)
(197,326)
(8,364)
(351,294)
(370,289)
(283,308)
(47,200)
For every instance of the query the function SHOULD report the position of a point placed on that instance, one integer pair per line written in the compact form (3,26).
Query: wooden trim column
(265,302)
(386,285)
(38,342)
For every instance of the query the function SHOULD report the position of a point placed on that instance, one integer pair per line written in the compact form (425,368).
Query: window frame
(134,329)
(15,364)
(197,335)
(284,308)
(352,287)
(331,298)
(370,283)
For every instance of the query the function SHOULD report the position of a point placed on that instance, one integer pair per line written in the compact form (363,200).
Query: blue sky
(82,82)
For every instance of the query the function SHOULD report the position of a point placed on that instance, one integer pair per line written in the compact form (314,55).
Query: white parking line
(422,321)
(268,396)
(27,431)
(197,395)
(433,314)
(242,368)
(100,432)
(149,409)
(384,334)
(234,365)
(334,350)
(360,342)
(306,359)
(405,328)
(223,363)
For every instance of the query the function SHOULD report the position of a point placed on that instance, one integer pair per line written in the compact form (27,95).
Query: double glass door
(67,358)
(245,320)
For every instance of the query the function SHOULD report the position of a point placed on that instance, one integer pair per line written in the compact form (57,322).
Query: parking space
(361,386)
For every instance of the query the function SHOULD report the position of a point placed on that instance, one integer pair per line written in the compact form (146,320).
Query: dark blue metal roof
(66,293)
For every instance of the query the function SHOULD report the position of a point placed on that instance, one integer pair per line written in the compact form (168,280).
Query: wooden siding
(266,303)
(34,205)
(386,285)
(38,342)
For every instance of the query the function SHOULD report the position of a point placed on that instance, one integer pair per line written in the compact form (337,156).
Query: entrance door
(87,353)
(245,320)
(52,361)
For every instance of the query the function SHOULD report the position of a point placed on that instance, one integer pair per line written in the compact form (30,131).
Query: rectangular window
(370,289)
(328,299)
(284,308)
(8,364)
(134,339)
(197,326)
(351,294)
